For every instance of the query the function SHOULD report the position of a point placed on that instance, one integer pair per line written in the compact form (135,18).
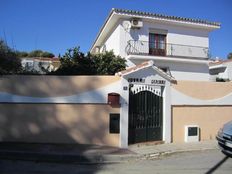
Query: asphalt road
(210,161)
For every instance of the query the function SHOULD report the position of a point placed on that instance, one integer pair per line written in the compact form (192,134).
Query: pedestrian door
(145,114)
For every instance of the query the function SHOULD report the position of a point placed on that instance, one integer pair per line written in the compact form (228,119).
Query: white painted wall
(229,70)
(119,36)
(175,35)
(112,42)
(183,70)
(124,110)
(167,121)
(188,71)
(122,33)
(224,72)
(178,98)
(96,96)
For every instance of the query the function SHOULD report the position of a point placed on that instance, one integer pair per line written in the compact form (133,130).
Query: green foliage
(75,62)
(47,54)
(222,80)
(9,63)
(229,56)
(34,53)
(21,54)
(108,64)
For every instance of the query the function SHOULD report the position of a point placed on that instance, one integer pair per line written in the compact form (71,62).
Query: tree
(75,62)
(9,63)
(21,54)
(229,56)
(48,54)
(40,53)
(108,64)
(35,53)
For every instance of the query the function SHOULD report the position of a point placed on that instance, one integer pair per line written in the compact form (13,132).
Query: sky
(57,25)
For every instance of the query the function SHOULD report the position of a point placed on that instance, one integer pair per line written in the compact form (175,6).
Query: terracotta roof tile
(219,62)
(47,59)
(144,65)
(134,68)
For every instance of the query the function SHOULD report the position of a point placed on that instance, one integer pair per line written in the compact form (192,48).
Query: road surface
(210,161)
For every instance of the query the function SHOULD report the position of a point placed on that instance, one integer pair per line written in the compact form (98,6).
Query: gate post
(124,100)
(167,124)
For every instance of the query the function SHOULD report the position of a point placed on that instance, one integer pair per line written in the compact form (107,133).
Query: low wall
(57,89)
(209,119)
(57,123)
(57,109)
(207,104)
(203,90)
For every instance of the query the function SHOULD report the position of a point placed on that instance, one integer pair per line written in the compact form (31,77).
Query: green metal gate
(145,116)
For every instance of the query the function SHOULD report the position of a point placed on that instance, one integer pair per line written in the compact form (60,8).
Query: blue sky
(56,25)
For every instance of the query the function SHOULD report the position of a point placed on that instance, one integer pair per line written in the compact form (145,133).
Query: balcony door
(157,44)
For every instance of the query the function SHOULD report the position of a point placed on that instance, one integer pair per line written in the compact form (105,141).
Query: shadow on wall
(52,86)
(57,123)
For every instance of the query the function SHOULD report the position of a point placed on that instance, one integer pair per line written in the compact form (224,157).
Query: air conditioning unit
(191,133)
(136,23)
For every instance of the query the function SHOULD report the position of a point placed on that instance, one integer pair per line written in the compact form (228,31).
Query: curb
(65,158)
(169,152)
(88,159)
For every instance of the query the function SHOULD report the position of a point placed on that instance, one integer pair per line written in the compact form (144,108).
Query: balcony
(166,49)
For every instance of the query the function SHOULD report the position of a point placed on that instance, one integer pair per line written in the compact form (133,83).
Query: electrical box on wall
(191,133)
(114,123)
(114,99)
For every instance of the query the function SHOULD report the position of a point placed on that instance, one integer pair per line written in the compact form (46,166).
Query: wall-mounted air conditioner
(192,133)
(136,23)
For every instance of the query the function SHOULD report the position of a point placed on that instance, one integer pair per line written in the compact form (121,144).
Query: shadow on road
(214,168)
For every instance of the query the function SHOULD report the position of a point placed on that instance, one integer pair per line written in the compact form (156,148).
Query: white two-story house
(167,77)
(177,45)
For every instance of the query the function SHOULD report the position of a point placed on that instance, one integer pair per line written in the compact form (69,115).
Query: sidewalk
(153,151)
(91,154)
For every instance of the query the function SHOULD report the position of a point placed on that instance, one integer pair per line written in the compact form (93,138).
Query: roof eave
(101,30)
(160,16)
(146,65)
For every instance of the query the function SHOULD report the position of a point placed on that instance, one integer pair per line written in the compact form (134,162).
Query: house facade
(175,44)
(221,70)
(40,64)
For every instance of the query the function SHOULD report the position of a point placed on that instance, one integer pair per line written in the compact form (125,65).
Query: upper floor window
(157,44)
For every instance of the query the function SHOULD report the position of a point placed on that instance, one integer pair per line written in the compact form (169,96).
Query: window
(29,64)
(157,44)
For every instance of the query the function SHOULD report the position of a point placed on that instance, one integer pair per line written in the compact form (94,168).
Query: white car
(224,138)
